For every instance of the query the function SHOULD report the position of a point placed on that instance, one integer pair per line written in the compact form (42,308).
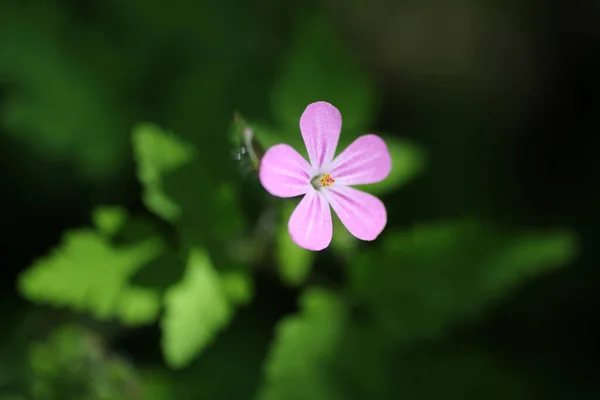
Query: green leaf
(408,160)
(137,305)
(162,272)
(196,309)
(184,189)
(87,273)
(268,136)
(320,67)
(298,364)
(529,254)
(157,153)
(228,369)
(237,286)
(426,278)
(433,370)
(294,262)
(209,201)
(109,220)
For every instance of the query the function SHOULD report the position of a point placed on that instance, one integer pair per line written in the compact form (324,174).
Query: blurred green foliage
(408,161)
(318,66)
(195,310)
(72,364)
(298,364)
(109,220)
(157,154)
(55,73)
(461,267)
(191,266)
(294,262)
(87,273)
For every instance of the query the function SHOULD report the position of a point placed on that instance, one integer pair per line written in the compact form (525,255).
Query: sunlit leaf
(298,364)
(196,309)
(228,369)
(294,262)
(88,273)
(434,274)
(158,153)
(320,67)
(137,305)
(109,219)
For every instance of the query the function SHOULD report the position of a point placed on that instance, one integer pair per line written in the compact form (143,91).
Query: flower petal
(366,160)
(321,124)
(363,214)
(284,172)
(310,225)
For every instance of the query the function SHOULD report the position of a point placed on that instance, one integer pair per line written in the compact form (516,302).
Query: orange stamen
(326,180)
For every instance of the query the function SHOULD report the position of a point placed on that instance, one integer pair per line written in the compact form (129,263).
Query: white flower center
(321,181)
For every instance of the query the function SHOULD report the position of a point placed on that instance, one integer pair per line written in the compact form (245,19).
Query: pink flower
(326,180)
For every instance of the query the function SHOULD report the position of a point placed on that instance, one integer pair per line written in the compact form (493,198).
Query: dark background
(501,97)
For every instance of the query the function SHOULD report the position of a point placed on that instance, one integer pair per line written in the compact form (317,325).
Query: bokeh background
(141,258)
